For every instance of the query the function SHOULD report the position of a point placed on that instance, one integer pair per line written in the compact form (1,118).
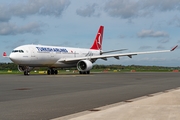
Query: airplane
(29,56)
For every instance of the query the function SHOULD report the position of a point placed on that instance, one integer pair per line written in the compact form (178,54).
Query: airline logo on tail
(97,45)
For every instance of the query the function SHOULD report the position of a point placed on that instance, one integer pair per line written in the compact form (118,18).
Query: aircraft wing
(102,52)
(104,57)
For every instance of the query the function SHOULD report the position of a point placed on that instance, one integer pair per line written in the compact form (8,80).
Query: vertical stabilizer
(97,45)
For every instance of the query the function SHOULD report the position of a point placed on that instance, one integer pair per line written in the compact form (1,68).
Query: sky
(136,25)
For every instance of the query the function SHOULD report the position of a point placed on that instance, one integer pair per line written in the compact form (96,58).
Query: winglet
(174,48)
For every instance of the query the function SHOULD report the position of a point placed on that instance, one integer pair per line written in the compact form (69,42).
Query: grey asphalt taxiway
(43,97)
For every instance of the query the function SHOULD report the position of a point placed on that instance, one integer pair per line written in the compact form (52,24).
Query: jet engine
(24,68)
(84,65)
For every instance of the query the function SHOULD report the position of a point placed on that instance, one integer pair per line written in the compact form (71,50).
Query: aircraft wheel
(55,72)
(52,72)
(49,72)
(26,72)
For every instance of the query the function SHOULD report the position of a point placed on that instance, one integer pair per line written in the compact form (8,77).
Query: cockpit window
(21,51)
(15,51)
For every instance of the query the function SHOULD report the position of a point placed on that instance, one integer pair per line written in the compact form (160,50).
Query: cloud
(139,8)
(32,7)
(88,11)
(19,42)
(4,14)
(151,33)
(165,5)
(175,21)
(12,29)
(15,43)
(121,8)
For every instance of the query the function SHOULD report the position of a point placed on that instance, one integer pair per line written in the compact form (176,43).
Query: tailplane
(4,54)
(97,45)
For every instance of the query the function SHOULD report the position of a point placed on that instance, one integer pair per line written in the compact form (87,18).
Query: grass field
(11,68)
(93,70)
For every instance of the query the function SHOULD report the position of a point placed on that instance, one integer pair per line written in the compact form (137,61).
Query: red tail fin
(4,54)
(97,45)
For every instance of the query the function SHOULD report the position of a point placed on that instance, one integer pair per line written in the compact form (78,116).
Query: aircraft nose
(14,58)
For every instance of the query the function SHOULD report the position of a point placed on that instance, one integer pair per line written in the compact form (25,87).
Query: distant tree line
(131,67)
(12,66)
(8,66)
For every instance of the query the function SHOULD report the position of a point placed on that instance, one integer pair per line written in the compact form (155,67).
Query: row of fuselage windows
(15,51)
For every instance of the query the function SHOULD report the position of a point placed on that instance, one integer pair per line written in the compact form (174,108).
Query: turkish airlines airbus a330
(29,56)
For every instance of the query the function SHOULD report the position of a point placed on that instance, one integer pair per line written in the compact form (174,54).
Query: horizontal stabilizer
(5,55)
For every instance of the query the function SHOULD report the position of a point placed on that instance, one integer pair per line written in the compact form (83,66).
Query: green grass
(93,70)
(8,72)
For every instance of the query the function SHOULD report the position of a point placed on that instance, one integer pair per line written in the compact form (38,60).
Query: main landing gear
(52,72)
(26,72)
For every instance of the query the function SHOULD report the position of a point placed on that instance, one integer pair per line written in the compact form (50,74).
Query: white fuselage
(48,56)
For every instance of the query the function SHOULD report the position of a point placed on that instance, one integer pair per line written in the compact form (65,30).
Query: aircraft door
(53,56)
(74,53)
(33,53)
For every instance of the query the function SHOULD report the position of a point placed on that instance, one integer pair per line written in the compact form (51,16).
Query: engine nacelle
(24,68)
(84,65)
